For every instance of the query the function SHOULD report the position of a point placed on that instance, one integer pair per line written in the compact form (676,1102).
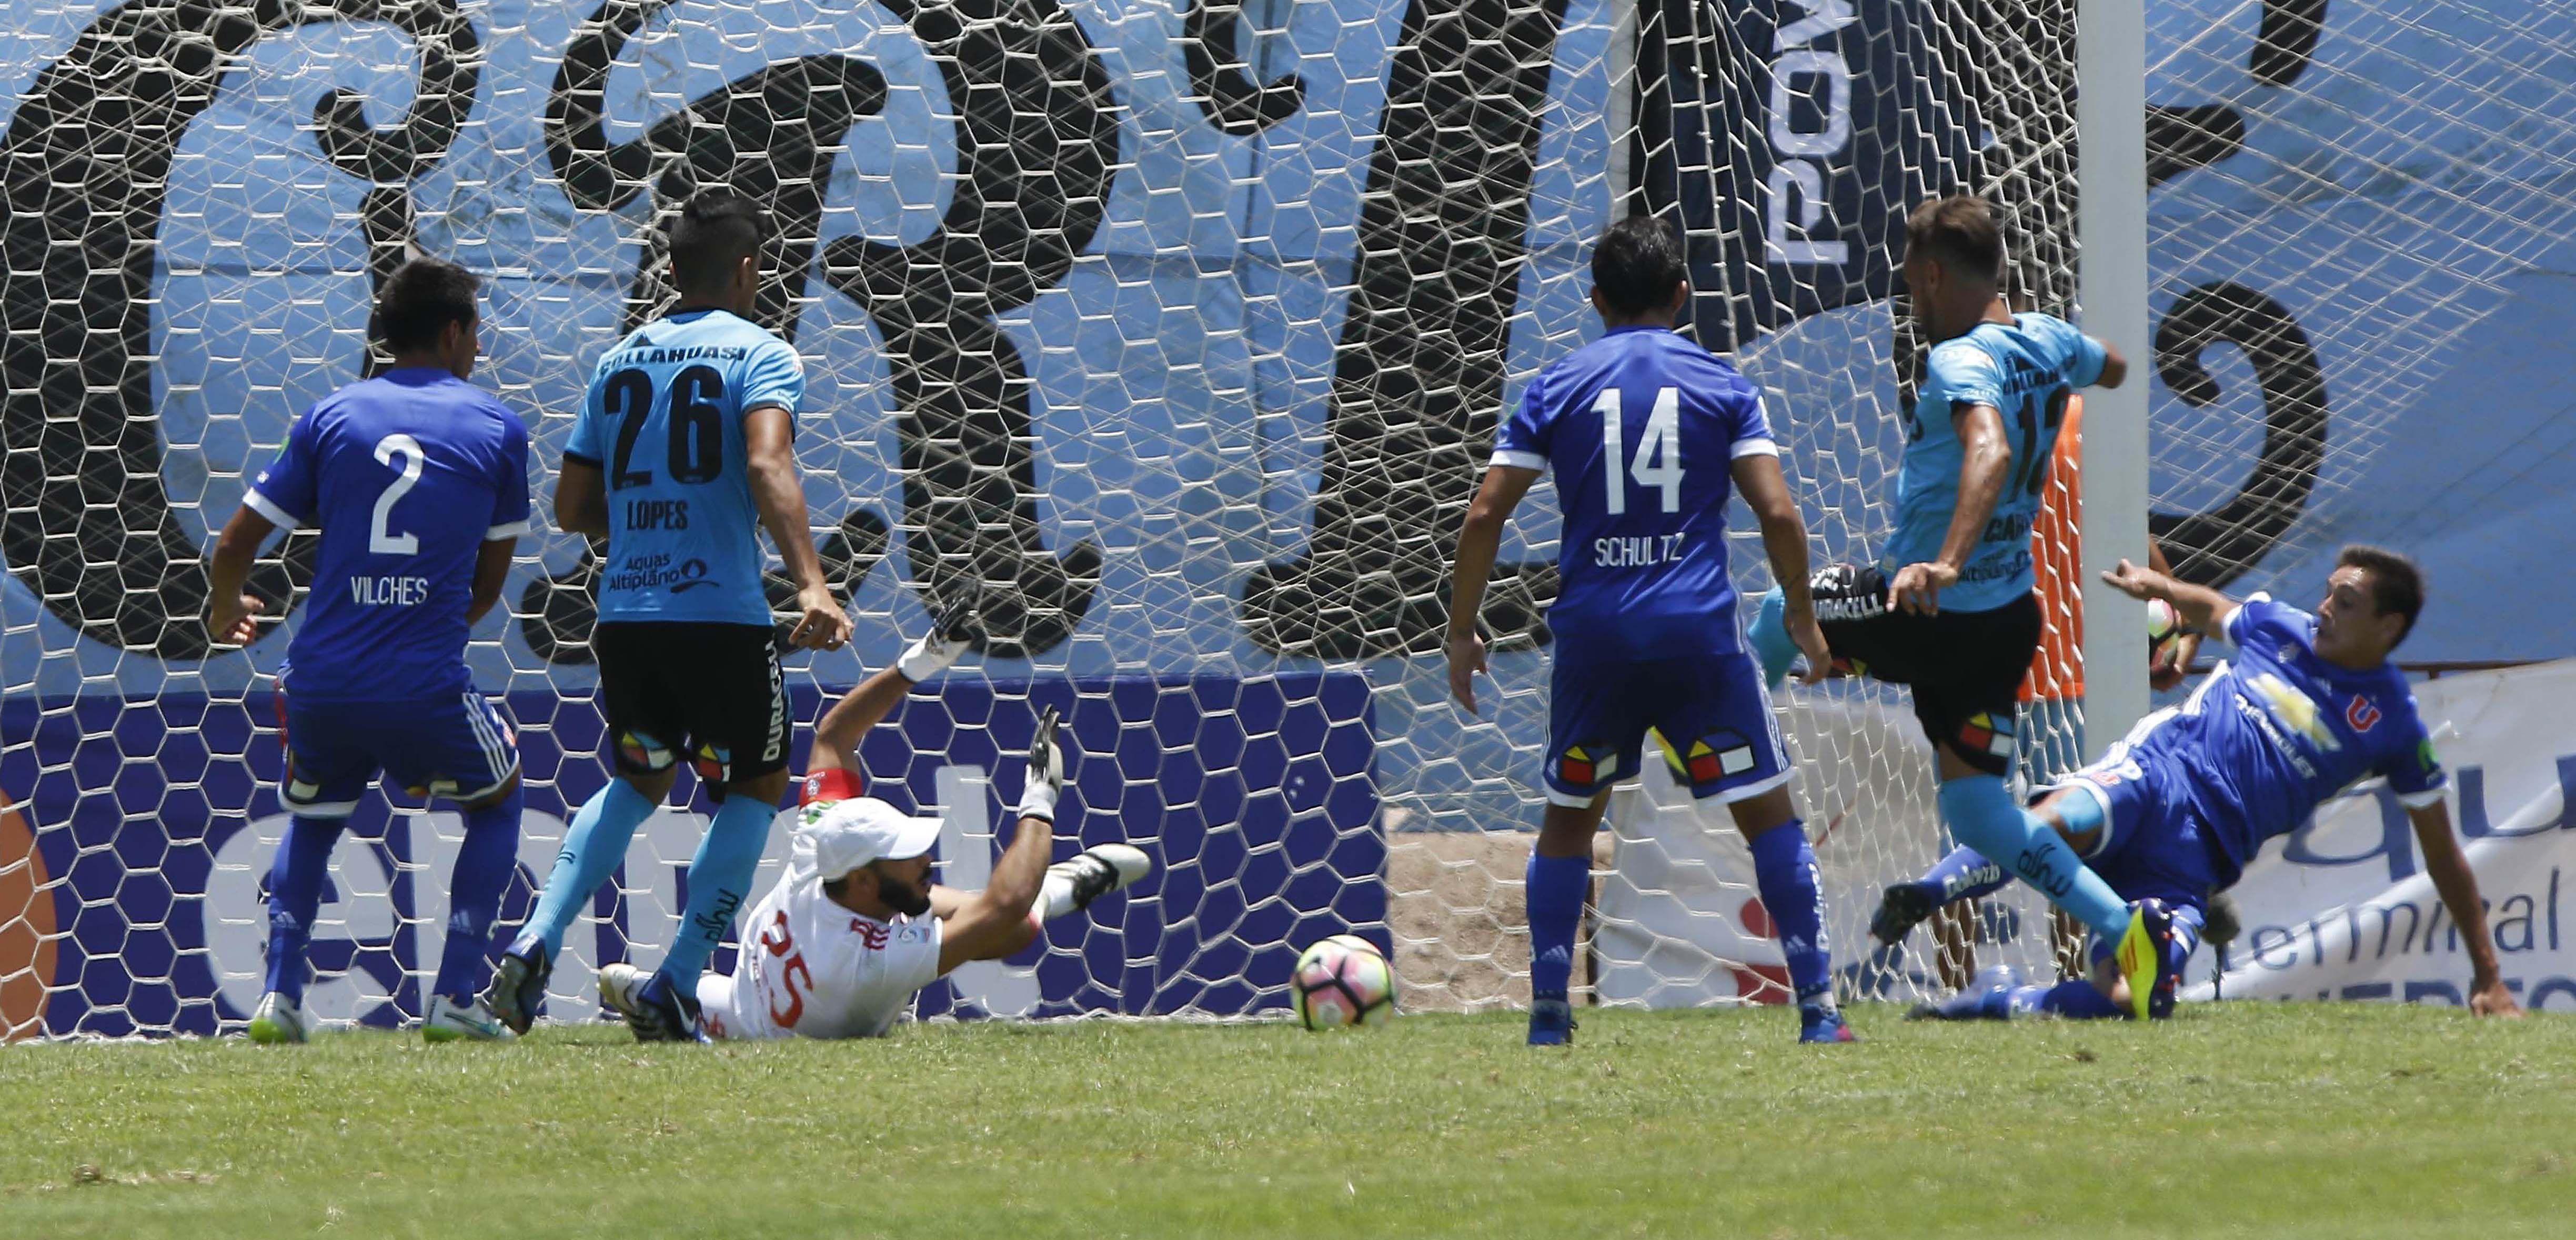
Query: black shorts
(1965,667)
(710,691)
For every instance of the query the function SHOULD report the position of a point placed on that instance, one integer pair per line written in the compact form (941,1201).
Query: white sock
(1055,897)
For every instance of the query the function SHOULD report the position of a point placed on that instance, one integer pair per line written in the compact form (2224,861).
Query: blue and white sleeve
(285,491)
(773,377)
(2415,772)
(1753,430)
(1524,439)
(510,485)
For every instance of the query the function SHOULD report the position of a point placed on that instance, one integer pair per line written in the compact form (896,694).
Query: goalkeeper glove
(1046,771)
(950,637)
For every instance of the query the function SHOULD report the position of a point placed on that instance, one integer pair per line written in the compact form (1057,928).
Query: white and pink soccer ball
(1343,980)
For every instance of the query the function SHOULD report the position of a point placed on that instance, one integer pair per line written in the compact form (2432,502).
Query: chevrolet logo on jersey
(2293,710)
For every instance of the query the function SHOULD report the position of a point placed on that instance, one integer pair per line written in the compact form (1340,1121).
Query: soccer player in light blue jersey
(2170,815)
(1949,610)
(683,453)
(1645,431)
(419,482)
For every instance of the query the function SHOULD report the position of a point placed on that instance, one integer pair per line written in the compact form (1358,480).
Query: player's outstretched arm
(769,450)
(1784,536)
(1985,457)
(231,616)
(994,922)
(2448,867)
(836,738)
(2200,607)
(2115,368)
(1479,539)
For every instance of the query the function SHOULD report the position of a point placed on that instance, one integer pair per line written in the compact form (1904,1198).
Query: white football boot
(450,1021)
(1096,871)
(278,1021)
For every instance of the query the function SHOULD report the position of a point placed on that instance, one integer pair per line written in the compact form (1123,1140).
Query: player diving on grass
(1644,430)
(683,452)
(419,482)
(2171,814)
(1950,611)
(837,948)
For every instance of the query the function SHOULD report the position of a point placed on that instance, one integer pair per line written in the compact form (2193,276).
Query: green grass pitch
(2243,1120)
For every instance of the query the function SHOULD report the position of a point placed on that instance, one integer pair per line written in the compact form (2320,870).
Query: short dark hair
(420,299)
(1961,232)
(2396,585)
(717,229)
(1637,264)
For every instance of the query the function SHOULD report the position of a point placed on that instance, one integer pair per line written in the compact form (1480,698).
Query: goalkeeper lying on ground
(2172,814)
(855,926)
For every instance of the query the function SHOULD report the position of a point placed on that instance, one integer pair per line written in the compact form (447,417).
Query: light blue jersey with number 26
(664,425)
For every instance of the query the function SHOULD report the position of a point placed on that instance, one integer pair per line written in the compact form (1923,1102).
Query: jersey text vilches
(664,425)
(2026,372)
(408,474)
(1642,428)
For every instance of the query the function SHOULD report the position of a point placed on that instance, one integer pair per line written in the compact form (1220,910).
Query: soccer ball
(2164,628)
(1343,980)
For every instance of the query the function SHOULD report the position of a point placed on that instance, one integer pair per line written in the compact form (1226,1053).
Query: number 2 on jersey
(381,538)
(1659,450)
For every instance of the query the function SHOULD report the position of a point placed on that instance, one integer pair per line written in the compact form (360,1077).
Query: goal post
(2111,226)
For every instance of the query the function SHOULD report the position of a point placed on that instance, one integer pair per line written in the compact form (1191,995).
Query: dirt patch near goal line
(1461,929)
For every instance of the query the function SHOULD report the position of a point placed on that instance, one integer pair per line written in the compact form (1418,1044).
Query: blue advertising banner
(1255,799)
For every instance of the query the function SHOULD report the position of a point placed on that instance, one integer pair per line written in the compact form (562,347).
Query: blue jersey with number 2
(664,425)
(2025,372)
(1642,428)
(408,474)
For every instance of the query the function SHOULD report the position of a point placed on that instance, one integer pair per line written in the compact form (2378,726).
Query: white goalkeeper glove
(1046,771)
(950,637)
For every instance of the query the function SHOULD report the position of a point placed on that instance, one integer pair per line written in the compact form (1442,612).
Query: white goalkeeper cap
(849,834)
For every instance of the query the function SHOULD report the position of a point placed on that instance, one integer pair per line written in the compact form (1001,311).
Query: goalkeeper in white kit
(838,947)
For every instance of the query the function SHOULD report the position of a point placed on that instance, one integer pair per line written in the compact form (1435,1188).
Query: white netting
(1175,330)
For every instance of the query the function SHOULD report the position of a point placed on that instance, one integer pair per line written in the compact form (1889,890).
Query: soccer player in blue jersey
(1644,431)
(1949,610)
(683,453)
(2172,814)
(419,482)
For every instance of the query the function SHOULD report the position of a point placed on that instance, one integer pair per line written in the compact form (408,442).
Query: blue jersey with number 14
(408,474)
(1642,428)
(664,425)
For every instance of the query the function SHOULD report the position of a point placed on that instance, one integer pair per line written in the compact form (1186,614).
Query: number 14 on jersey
(1658,464)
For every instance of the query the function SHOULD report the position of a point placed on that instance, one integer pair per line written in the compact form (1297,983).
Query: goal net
(1173,334)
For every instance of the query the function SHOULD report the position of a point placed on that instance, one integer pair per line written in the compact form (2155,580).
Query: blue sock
(2076,1000)
(719,883)
(1784,867)
(1982,816)
(1557,886)
(294,895)
(592,851)
(483,868)
(1770,638)
(1965,874)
